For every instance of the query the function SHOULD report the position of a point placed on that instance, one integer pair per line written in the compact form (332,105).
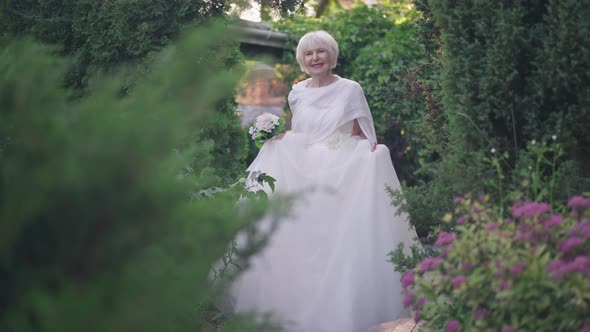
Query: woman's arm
(357,131)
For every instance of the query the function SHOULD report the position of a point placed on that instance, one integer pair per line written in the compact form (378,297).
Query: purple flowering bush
(528,272)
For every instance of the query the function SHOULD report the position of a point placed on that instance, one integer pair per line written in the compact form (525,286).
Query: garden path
(400,325)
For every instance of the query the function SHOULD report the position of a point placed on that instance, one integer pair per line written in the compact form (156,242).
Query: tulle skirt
(326,269)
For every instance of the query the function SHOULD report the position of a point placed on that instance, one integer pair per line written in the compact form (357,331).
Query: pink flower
(408,300)
(480,313)
(554,266)
(452,326)
(525,228)
(408,279)
(417,317)
(466,266)
(529,209)
(585,328)
(419,303)
(508,329)
(558,269)
(582,228)
(461,220)
(445,238)
(583,260)
(526,237)
(554,220)
(579,203)
(458,281)
(570,244)
(430,264)
(518,268)
(491,226)
(580,264)
(457,200)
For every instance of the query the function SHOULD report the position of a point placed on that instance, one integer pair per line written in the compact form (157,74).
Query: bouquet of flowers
(265,127)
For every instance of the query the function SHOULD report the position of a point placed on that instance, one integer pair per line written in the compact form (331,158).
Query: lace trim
(339,136)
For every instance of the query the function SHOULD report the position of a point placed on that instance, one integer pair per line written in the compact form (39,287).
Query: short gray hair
(317,39)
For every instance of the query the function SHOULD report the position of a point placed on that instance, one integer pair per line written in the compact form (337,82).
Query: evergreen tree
(508,76)
(123,37)
(511,73)
(99,230)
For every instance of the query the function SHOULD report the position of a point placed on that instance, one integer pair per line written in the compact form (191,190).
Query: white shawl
(318,112)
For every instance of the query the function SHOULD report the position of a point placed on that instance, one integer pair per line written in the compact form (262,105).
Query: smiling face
(317,53)
(317,61)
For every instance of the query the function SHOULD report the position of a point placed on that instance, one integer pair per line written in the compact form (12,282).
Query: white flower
(493,150)
(533,142)
(554,137)
(263,127)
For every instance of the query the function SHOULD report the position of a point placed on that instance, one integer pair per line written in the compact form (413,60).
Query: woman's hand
(373,146)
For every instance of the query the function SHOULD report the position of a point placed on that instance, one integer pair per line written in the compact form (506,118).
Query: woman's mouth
(317,65)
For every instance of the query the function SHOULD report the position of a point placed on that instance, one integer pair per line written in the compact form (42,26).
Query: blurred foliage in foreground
(124,38)
(100,230)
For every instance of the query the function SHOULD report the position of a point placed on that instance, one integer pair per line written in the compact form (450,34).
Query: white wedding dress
(325,268)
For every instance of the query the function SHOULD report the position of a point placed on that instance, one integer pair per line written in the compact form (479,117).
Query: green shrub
(507,73)
(500,85)
(540,174)
(99,231)
(497,274)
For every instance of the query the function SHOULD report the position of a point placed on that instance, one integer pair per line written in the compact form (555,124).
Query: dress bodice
(339,136)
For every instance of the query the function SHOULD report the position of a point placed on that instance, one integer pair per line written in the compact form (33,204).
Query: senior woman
(325,269)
